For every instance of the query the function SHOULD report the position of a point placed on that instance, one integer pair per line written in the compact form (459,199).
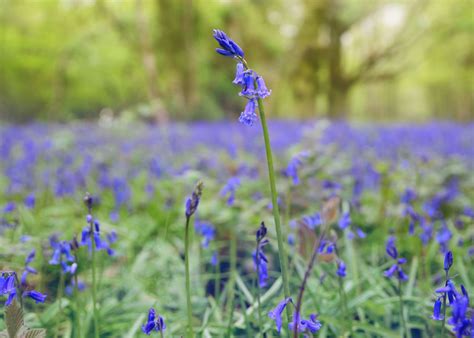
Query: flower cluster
(253,85)
(92,233)
(154,323)
(392,251)
(8,288)
(193,201)
(62,255)
(311,325)
(28,268)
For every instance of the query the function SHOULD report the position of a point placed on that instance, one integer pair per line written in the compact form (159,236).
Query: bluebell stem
(392,251)
(254,89)
(93,227)
(154,323)
(260,263)
(191,207)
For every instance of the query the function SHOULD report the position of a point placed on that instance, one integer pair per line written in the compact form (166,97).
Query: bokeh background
(369,60)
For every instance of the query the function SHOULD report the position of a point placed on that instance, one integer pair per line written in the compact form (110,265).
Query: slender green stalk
(443,326)
(217,280)
(94,288)
(345,308)
(402,317)
(188,282)
(59,296)
(233,268)
(276,213)
(76,298)
(259,308)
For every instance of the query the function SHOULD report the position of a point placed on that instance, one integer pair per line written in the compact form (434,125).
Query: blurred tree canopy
(155,59)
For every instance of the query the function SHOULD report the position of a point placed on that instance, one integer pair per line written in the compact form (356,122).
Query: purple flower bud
(448,261)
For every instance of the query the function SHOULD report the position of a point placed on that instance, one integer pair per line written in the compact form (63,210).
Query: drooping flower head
(275,314)
(396,268)
(437,310)
(311,325)
(154,323)
(193,201)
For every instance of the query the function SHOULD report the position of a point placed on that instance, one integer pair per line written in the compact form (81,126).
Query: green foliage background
(369,59)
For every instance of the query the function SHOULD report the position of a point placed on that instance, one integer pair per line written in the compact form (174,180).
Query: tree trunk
(149,64)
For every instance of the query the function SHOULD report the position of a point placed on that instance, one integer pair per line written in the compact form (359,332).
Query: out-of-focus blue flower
(341,269)
(30,201)
(469,212)
(229,47)
(293,166)
(304,325)
(443,236)
(35,295)
(28,268)
(313,221)
(360,233)
(229,189)
(275,314)
(408,196)
(61,253)
(345,220)
(207,231)
(214,258)
(248,116)
(9,207)
(154,323)
(437,310)
(392,251)
(81,286)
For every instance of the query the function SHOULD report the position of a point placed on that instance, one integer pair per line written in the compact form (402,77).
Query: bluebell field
(219,230)
(406,199)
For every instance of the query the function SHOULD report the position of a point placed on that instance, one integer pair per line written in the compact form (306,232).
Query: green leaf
(13,319)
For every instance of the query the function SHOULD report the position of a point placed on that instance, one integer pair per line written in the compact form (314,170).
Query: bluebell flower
(437,310)
(313,221)
(229,47)
(214,258)
(248,116)
(341,269)
(8,287)
(345,220)
(28,268)
(392,251)
(61,253)
(293,166)
(35,295)
(275,314)
(448,261)
(469,212)
(408,196)
(193,201)
(154,323)
(9,207)
(304,325)
(360,233)
(248,87)
(81,286)
(207,231)
(262,91)
(30,201)
(449,289)
(239,74)
(443,236)
(229,189)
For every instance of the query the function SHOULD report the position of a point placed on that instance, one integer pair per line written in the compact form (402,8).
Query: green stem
(59,296)
(233,265)
(259,309)
(402,317)
(276,212)
(444,307)
(76,298)
(94,286)
(217,281)
(343,296)
(188,282)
